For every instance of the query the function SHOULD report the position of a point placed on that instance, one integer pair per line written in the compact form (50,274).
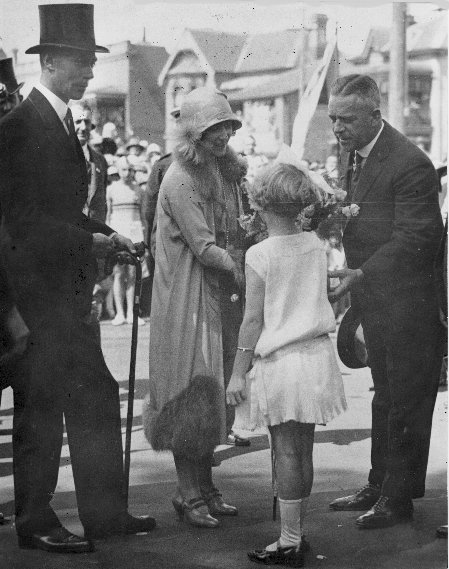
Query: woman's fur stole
(188,424)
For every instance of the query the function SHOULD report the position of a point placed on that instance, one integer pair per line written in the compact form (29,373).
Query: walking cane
(126,258)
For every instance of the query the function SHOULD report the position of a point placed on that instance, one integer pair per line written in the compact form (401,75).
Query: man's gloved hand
(122,243)
(102,245)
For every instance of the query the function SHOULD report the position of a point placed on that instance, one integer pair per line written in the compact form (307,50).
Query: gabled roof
(215,51)
(282,52)
(219,52)
(222,50)
(376,41)
(428,36)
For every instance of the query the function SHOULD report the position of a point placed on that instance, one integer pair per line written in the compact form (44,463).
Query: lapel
(373,165)
(54,128)
(93,177)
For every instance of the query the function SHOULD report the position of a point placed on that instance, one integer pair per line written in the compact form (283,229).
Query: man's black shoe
(289,556)
(57,540)
(386,512)
(362,500)
(124,525)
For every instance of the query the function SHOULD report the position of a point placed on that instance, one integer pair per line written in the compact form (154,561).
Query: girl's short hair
(283,189)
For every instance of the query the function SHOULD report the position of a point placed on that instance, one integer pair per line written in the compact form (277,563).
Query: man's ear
(48,61)
(377,114)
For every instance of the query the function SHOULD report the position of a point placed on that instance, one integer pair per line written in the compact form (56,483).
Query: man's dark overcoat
(394,240)
(46,242)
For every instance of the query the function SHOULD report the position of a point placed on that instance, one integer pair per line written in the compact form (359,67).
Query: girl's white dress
(295,374)
(124,200)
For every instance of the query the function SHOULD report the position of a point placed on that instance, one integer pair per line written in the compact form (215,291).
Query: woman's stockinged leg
(188,502)
(118,291)
(187,472)
(217,506)
(205,476)
(130,288)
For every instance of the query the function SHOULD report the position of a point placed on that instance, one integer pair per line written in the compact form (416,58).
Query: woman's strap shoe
(197,514)
(217,506)
(57,540)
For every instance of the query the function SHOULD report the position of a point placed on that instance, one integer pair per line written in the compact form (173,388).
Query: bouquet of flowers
(331,209)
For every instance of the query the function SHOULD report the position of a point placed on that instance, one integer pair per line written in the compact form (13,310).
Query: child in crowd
(295,379)
(124,215)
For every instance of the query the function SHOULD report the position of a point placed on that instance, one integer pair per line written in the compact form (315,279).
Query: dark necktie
(356,169)
(68,120)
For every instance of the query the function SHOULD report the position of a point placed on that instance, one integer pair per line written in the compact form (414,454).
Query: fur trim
(204,173)
(201,167)
(187,425)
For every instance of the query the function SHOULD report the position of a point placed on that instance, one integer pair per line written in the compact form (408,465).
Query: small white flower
(354,209)
(350,210)
(340,195)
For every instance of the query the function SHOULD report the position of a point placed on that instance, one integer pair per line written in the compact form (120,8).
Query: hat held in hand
(351,342)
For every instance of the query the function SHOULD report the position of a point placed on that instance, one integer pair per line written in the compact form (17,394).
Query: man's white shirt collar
(364,152)
(59,106)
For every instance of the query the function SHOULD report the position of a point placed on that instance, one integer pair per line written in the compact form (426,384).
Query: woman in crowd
(196,303)
(295,378)
(124,201)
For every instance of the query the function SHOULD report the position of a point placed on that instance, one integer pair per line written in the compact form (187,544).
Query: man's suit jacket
(395,237)
(46,240)
(96,207)
(149,203)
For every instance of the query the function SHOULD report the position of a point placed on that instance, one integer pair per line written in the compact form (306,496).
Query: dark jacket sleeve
(6,294)
(417,224)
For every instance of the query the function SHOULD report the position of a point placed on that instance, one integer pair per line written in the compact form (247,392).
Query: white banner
(309,100)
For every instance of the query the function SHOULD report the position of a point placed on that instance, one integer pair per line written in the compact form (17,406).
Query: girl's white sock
(292,513)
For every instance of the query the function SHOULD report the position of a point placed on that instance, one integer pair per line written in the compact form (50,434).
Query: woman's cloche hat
(205,107)
(351,342)
(67,26)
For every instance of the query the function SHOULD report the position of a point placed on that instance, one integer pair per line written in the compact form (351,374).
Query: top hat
(351,342)
(7,76)
(69,26)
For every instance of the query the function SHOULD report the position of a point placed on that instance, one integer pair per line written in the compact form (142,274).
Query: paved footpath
(341,459)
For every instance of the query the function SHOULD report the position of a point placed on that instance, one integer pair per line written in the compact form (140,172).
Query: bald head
(82,119)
